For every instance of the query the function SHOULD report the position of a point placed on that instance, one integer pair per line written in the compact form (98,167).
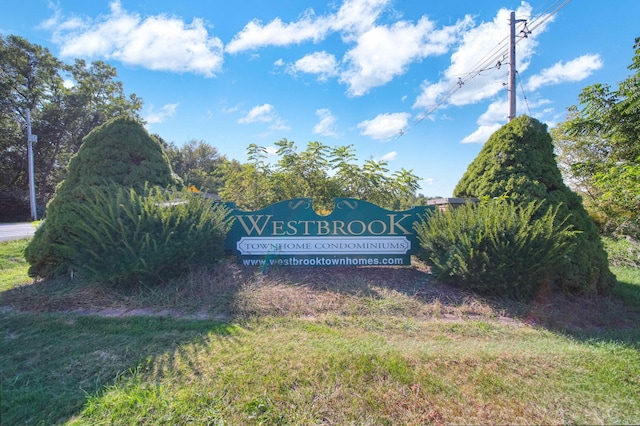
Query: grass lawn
(12,264)
(313,346)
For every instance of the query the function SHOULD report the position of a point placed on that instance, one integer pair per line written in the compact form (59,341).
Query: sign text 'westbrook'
(291,233)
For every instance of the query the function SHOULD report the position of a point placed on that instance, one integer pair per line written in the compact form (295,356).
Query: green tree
(319,172)
(517,162)
(304,174)
(249,185)
(197,163)
(119,153)
(66,102)
(29,79)
(599,145)
(495,247)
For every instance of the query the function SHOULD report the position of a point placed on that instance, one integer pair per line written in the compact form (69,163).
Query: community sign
(355,233)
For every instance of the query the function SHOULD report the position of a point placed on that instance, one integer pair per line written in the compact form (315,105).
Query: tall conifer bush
(518,163)
(120,153)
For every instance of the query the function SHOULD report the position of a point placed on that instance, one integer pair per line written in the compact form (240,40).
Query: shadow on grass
(55,359)
(52,363)
(413,293)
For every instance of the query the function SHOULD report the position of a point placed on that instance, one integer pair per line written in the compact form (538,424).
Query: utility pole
(31,139)
(512,67)
(512,62)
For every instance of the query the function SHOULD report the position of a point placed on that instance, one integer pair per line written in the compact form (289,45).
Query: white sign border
(319,245)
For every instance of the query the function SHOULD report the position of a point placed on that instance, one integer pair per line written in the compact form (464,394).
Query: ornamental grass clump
(125,237)
(495,247)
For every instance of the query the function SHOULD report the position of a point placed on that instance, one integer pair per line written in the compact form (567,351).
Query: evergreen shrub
(495,247)
(517,162)
(127,237)
(120,153)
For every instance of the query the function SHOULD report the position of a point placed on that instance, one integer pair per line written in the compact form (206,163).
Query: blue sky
(382,75)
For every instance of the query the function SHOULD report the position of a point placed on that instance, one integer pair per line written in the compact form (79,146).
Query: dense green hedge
(495,247)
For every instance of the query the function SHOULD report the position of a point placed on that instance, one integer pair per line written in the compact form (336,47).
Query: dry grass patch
(231,291)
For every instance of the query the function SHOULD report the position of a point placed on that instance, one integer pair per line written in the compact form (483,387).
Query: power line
(492,60)
(524,95)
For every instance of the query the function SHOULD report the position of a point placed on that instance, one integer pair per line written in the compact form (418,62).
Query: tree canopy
(197,163)
(66,103)
(320,172)
(599,149)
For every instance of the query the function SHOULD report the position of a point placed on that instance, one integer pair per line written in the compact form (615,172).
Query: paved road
(16,231)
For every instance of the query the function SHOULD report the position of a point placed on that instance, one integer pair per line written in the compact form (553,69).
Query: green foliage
(61,116)
(318,172)
(120,153)
(623,252)
(197,163)
(496,247)
(619,198)
(599,146)
(125,237)
(517,162)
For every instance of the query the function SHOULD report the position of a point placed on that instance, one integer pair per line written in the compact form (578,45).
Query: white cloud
(327,124)
(276,33)
(155,117)
(574,70)
(474,74)
(482,134)
(230,109)
(389,156)
(380,53)
(428,181)
(321,63)
(491,120)
(265,113)
(279,125)
(158,42)
(357,16)
(384,126)
(384,52)
(271,150)
(353,17)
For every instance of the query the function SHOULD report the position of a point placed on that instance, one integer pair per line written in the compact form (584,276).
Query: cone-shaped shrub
(120,153)
(518,163)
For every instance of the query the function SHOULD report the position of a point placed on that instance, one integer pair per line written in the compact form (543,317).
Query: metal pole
(32,186)
(512,67)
